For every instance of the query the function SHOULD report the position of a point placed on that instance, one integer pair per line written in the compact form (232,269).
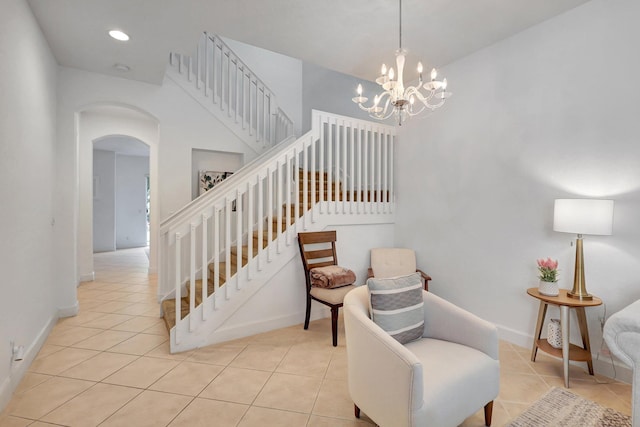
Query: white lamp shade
(583,216)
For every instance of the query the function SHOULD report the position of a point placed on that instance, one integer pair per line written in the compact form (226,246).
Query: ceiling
(350,36)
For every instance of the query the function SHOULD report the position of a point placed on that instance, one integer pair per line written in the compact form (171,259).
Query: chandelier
(403,102)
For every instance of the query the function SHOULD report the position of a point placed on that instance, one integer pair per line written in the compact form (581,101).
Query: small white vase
(549,289)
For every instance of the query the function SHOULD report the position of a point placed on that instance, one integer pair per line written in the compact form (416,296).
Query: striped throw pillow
(397,306)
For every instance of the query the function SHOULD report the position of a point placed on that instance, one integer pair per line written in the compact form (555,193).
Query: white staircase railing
(342,167)
(235,91)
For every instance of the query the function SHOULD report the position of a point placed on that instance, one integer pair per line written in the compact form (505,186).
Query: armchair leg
(308,314)
(334,325)
(488,412)
(356,410)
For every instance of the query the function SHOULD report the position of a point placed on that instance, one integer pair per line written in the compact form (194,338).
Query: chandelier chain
(400,26)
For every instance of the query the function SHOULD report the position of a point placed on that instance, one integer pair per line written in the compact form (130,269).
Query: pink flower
(548,269)
(548,263)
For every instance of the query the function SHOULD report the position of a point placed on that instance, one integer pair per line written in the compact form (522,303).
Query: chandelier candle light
(398,100)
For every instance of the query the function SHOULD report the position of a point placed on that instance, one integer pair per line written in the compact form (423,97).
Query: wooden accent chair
(393,262)
(318,249)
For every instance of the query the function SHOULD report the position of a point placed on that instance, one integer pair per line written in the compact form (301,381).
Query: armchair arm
(425,277)
(622,334)
(388,395)
(446,321)
(369,273)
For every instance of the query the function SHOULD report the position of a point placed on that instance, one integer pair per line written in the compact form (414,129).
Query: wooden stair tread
(169,310)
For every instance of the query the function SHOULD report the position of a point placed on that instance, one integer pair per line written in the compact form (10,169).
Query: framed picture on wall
(209,179)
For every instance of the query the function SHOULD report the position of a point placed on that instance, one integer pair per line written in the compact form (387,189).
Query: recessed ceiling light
(119,35)
(121,67)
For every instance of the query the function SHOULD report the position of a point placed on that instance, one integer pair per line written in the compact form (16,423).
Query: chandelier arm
(373,106)
(382,114)
(425,99)
(412,113)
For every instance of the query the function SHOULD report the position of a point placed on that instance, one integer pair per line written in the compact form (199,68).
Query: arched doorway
(95,124)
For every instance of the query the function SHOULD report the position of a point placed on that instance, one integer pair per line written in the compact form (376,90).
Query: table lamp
(582,216)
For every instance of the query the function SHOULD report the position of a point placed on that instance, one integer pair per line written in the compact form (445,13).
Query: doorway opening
(121,200)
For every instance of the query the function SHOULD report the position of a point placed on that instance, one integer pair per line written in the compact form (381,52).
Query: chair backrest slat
(317,237)
(324,253)
(317,249)
(320,264)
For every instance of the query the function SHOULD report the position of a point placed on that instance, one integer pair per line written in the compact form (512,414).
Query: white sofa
(622,335)
(437,381)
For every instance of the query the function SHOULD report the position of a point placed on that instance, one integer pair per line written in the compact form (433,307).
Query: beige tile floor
(110,366)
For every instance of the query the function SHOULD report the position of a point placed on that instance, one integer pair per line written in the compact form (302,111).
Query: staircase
(224,85)
(237,236)
(258,240)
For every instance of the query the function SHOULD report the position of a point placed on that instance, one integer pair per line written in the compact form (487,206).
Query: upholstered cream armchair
(622,335)
(394,262)
(436,381)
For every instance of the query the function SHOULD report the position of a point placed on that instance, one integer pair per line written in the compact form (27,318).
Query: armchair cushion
(396,305)
(392,262)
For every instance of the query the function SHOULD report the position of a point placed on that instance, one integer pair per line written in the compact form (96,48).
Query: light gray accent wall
(104,201)
(331,91)
(549,113)
(27,189)
(131,222)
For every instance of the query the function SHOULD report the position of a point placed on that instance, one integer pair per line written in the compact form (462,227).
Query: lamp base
(579,290)
(584,297)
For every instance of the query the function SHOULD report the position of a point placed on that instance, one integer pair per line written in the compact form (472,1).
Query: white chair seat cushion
(457,380)
(333,295)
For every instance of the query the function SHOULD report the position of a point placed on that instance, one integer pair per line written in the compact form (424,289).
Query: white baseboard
(89,277)
(265,325)
(18,369)
(602,366)
(69,311)
(514,337)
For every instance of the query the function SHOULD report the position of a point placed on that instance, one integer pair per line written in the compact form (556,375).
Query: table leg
(584,332)
(564,320)
(542,311)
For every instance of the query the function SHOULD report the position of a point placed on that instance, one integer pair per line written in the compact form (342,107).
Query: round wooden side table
(569,351)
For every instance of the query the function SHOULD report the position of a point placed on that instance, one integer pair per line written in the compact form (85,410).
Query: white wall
(282,301)
(104,201)
(282,74)
(549,113)
(28,307)
(131,200)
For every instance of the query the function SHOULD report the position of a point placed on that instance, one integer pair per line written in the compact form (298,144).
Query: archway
(94,123)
